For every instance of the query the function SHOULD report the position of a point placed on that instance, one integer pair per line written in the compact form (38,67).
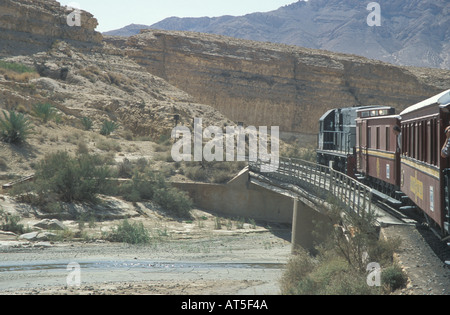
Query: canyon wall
(29,26)
(264,84)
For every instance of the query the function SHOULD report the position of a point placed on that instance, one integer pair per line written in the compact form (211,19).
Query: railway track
(440,246)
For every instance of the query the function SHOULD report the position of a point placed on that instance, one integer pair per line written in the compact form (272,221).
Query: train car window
(419,142)
(433,142)
(410,141)
(388,139)
(437,149)
(429,147)
(424,142)
(359,134)
(369,137)
(413,142)
(410,145)
(405,142)
(378,138)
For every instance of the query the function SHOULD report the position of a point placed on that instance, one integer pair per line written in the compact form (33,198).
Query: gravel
(422,256)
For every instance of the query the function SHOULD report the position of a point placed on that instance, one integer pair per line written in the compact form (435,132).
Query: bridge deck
(321,187)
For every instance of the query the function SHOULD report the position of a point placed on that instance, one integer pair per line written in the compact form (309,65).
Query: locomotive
(337,138)
(398,155)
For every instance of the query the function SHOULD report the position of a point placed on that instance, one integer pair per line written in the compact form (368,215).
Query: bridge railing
(322,181)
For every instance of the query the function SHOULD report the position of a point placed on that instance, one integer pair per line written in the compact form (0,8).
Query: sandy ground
(234,264)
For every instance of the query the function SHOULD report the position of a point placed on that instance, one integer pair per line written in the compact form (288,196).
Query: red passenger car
(424,176)
(378,148)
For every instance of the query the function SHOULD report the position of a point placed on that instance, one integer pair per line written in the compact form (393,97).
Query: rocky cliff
(411,32)
(29,26)
(266,84)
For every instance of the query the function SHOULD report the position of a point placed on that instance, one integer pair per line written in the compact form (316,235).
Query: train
(399,155)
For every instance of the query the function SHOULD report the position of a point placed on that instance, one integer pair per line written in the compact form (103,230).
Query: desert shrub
(125,169)
(86,122)
(141,187)
(297,269)
(174,201)
(221,177)
(14,128)
(45,112)
(3,164)
(11,223)
(17,72)
(393,278)
(71,179)
(16,67)
(152,186)
(109,145)
(108,127)
(196,173)
(324,275)
(82,148)
(126,232)
(118,79)
(339,266)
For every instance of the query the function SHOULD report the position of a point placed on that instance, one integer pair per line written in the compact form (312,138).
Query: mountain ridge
(412,32)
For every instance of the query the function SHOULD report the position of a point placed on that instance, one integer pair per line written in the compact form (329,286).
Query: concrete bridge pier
(308,226)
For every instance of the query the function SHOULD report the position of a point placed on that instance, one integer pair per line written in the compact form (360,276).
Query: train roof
(382,117)
(442,99)
(373,107)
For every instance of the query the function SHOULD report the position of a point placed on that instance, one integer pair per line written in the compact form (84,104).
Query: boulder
(48,224)
(37,236)
(29,236)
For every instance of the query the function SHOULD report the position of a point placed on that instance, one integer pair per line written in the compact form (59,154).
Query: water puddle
(135,265)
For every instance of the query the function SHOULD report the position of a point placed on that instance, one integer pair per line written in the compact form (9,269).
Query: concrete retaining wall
(240,198)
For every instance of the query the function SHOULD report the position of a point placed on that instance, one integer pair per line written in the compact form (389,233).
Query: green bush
(152,186)
(326,274)
(393,278)
(86,122)
(108,127)
(72,179)
(16,67)
(174,201)
(10,223)
(339,266)
(130,233)
(14,128)
(45,111)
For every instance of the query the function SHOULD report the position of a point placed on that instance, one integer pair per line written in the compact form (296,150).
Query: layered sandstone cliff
(266,84)
(29,26)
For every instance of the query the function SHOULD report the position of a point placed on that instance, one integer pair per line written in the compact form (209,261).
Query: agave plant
(14,128)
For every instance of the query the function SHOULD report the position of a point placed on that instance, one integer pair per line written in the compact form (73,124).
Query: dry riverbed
(249,260)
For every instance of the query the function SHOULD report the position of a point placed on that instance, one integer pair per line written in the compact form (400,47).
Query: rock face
(412,32)
(265,84)
(34,25)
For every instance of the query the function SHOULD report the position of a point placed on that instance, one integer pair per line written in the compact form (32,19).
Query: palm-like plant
(108,127)
(45,112)
(14,128)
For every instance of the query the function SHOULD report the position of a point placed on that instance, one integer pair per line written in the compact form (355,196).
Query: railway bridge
(318,188)
(297,192)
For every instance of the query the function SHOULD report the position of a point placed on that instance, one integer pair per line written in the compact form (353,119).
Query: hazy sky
(114,14)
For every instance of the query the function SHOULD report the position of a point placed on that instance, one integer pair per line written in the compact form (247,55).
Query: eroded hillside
(265,84)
